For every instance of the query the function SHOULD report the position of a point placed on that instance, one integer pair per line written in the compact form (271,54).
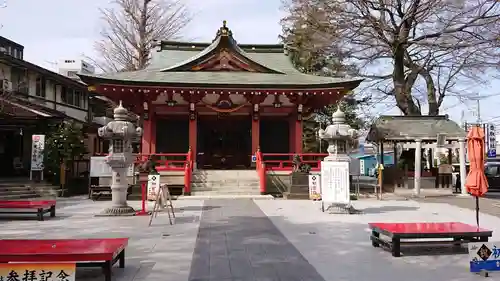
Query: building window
(63,94)
(78,98)
(84,100)
(72,74)
(70,96)
(40,87)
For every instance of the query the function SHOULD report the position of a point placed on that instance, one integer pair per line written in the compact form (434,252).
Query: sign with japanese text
(37,271)
(153,186)
(37,151)
(484,256)
(314,187)
(335,182)
(491,141)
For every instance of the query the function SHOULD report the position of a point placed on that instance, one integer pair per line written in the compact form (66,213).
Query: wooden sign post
(163,201)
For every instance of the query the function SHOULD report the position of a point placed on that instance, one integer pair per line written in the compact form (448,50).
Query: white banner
(153,186)
(335,182)
(99,168)
(314,187)
(37,151)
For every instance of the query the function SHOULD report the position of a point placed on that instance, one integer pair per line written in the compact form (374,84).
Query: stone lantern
(120,132)
(340,137)
(335,182)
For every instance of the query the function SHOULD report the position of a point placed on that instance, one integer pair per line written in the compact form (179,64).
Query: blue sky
(52,30)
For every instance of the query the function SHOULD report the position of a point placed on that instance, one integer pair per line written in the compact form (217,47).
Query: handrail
(261,171)
(163,163)
(311,159)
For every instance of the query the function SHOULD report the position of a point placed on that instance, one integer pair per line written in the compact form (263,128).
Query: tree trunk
(404,99)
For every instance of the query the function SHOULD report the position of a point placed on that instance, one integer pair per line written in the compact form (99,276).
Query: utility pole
(478,111)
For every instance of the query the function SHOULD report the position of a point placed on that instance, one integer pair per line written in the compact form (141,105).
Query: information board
(37,152)
(335,182)
(314,187)
(99,168)
(153,186)
(484,256)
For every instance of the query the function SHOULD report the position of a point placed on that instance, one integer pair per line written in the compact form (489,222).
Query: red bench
(40,207)
(455,233)
(84,252)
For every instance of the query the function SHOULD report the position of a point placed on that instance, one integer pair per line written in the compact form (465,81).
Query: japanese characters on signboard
(492,141)
(314,187)
(37,151)
(335,182)
(153,186)
(484,256)
(37,272)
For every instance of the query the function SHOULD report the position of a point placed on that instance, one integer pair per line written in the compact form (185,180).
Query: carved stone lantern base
(118,211)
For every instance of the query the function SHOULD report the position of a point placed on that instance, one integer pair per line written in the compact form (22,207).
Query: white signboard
(37,150)
(491,141)
(484,256)
(314,187)
(362,167)
(153,186)
(335,182)
(99,168)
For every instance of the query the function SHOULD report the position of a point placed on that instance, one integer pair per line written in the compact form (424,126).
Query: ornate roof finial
(120,113)
(223,30)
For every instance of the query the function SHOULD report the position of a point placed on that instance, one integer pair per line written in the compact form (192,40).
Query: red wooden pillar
(298,134)
(255,134)
(291,133)
(152,140)
(147,135)
(148,141)
(193,135)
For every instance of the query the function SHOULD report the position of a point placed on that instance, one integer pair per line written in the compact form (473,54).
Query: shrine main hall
(222,100)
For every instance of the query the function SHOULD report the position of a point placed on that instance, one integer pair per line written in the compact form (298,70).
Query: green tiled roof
(163,69)
(402,128)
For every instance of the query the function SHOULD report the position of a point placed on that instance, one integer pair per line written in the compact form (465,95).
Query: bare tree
(414,51)
(131,28)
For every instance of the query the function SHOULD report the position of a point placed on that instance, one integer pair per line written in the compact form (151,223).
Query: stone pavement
(242,239)
(237,241)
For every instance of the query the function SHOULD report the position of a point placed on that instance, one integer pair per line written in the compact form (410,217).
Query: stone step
(223,179)
(226,196)
(205,193)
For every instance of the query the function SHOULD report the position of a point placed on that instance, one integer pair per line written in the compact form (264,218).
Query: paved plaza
(243,239)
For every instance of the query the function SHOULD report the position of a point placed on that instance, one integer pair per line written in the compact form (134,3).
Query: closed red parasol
(476,184)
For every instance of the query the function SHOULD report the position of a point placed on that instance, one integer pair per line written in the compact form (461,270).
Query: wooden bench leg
(39,214)
(106,269)
(396,247)
(52,211)
(121,259)
(375,234)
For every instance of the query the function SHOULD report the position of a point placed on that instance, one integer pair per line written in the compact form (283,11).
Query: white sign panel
(362,167)
(335,182)
(99,168)
(484,256)
(37,151)
(491,141)
(314,187)
(153,186)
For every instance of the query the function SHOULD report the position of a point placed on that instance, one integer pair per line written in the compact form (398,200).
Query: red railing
(164,161)
(188,172)
(284,161)
(261,171)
